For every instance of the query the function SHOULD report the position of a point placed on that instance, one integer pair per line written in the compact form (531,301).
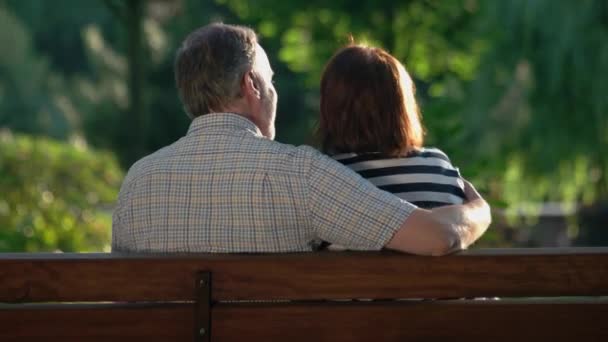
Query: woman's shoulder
(428,152)
(422,152)
(419,160)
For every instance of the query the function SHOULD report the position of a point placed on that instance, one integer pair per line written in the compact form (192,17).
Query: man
(228,187)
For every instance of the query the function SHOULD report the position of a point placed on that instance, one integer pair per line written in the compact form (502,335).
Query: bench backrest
(303,296)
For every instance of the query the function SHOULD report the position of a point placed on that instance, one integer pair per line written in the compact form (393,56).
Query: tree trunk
(136,121)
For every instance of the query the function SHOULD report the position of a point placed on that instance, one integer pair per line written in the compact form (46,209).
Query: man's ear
(250,84)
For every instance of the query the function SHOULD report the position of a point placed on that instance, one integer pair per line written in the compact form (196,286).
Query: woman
(370,122)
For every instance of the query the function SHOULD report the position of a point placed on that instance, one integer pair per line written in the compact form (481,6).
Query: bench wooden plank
(428,321)
(75,322)
(328,321)
(304,276)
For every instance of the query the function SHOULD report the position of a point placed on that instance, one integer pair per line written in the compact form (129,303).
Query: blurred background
(514,91)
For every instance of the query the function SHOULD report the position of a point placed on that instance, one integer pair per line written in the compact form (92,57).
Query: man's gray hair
(210,64)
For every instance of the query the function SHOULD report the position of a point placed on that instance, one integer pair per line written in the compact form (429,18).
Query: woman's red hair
(368,104)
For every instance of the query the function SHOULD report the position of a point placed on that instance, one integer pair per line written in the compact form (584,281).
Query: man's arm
(445,229)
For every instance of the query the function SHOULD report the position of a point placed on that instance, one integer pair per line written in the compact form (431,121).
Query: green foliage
(538,112)
(55,196)
(27,83)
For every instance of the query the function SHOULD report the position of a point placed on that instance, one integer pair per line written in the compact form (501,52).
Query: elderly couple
(227,187)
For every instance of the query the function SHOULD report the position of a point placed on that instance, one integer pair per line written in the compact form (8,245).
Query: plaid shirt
(225,188)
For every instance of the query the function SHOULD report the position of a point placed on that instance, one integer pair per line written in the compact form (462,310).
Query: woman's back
(370,121)
(424,177)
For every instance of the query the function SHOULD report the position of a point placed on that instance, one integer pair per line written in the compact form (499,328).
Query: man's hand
(477,216)
(444,230)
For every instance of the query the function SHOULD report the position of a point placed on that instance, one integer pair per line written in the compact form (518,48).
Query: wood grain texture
(304,276)
(423,321)
(111,322)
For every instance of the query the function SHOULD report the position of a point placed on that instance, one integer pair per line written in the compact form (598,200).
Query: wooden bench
(295,297)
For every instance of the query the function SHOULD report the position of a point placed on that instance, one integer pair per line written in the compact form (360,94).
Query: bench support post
(202,326)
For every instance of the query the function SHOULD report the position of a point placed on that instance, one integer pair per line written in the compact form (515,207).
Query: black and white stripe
(425,177)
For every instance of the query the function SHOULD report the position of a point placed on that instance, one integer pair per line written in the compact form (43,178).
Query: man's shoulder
(247,143)
(288,157)
(148,163)
(301,151)
(266,154)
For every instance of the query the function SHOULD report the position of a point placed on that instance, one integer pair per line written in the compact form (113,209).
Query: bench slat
(387,321)
(74,322)
(461,321)
(303,276)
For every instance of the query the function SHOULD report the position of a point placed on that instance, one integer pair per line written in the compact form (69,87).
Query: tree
(131,14)
(28,98)
(538,101)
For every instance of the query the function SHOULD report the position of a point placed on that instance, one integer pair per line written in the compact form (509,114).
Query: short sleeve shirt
(225,188)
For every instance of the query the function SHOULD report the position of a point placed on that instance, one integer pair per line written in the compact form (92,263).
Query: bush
(55,196)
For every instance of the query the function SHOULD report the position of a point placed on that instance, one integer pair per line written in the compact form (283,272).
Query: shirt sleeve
(455,179)
(350,211)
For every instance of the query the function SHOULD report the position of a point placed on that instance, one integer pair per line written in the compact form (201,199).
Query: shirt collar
(223,121)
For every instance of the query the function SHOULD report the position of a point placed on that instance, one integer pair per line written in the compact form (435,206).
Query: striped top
(424,177)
